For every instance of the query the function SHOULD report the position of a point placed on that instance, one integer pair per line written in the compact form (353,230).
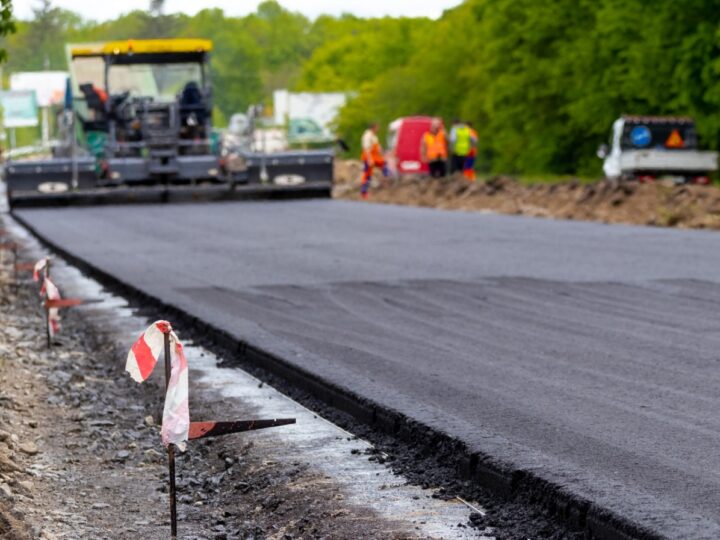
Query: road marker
(177,429)
(53,301)
(42,266)
(14,246)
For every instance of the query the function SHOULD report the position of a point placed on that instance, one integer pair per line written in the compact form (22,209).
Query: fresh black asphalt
(584,353)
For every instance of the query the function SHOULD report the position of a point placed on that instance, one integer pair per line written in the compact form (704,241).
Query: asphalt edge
(169,195)
(500,478)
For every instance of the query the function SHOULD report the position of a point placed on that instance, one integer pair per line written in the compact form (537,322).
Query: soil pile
(660,203)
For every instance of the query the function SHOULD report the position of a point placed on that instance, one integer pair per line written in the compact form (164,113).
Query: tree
(157,7)
(361,53)
(7,25)
(544,81)
(156,24)
(236,60)
(36,44)
(282,39)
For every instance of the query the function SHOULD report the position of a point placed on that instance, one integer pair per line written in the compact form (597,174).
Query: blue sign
(641,136)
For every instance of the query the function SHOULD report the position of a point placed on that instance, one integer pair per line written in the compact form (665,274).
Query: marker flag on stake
(50,292)
(141,361)
(38,268)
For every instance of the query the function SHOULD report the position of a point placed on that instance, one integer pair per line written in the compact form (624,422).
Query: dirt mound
(660,203)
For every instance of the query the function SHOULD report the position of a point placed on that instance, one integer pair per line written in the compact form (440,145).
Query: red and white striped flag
(141,361)
(50,292)
(38,268)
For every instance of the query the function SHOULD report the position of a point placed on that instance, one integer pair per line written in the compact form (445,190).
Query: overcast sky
(108,9)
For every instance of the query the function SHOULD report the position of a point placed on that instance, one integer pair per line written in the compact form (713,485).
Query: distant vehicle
(650,147)
(144,116)
(308,116)
(307,132)
(264,152)
(404,141)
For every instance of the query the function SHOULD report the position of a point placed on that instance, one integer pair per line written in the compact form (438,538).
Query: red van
(404,138)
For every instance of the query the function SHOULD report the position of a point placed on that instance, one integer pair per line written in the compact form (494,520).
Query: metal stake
(47,310)
(170,450)
(47,327)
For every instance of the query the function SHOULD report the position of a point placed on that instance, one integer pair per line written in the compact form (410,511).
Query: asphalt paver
(588,354)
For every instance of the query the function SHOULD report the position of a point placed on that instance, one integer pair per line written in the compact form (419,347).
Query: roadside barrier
(53,301)
(177,429)
(14,247)
(52,312)
(41,267)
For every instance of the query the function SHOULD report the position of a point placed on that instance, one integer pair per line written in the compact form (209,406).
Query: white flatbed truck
(651,147)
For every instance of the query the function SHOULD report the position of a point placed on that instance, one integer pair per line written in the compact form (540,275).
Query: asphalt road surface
(589,354)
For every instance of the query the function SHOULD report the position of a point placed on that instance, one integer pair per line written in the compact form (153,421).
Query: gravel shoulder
(80,455)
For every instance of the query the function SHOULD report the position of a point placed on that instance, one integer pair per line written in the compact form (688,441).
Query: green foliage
(7,25)
(252,56)
(358,51)
(35,46)
(541,81)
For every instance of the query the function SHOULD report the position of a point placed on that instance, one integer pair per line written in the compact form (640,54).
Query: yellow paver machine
(142,115)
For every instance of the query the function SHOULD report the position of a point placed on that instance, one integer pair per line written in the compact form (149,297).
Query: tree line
(541,81)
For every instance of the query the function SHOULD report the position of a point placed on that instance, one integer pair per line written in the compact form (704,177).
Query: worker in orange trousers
(372,157)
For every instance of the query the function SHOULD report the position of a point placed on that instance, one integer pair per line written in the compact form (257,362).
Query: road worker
(433,149)
(372,157)
(462,143)
(469,169)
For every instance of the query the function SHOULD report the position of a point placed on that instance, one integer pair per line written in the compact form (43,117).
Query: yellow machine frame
(142,46)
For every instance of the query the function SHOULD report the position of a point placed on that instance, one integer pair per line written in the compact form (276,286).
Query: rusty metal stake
(171,451)
(48,333)
(47,310)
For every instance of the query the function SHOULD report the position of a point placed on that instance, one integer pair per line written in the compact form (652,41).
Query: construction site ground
(81,458)
(569,362)
(661,203)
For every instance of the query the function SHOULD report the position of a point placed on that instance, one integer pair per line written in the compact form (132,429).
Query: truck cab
(649,147)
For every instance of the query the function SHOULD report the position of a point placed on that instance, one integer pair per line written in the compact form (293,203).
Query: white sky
(108,9)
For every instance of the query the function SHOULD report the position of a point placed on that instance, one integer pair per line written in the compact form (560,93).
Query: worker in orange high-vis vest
(372,157)
(434,150)
(469,169)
